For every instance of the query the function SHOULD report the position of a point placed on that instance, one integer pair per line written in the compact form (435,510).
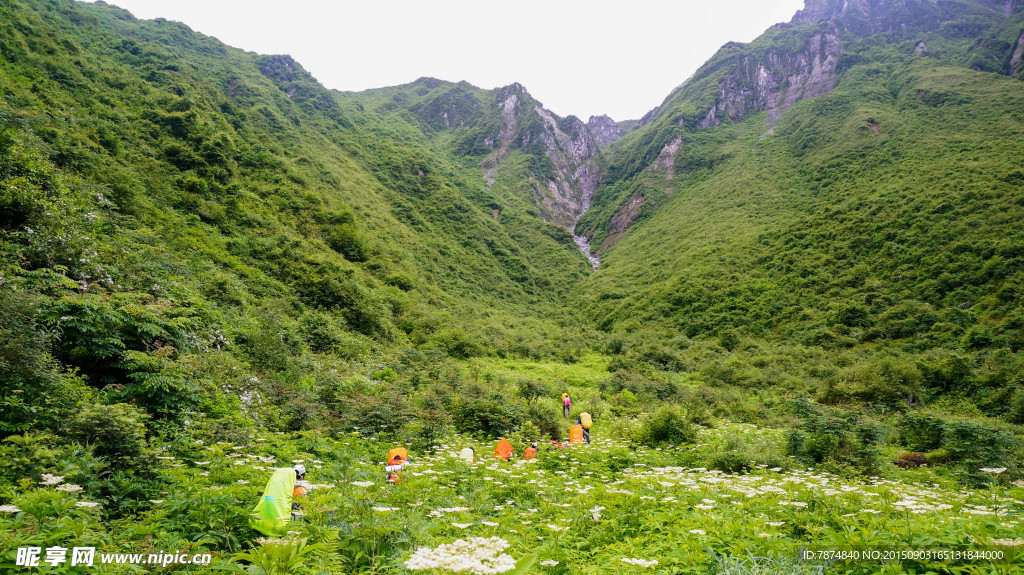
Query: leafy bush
(669,425)
(889,384)
(546,419)
(489,414)
(970,444)
(837,438)
(33,391)
(385,413)
(116,432)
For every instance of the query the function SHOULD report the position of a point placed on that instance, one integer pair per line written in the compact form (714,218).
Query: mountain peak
(604,129)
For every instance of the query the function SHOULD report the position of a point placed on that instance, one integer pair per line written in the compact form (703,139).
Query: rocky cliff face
(564,185)
(604,129)
(865,17)
(777,80)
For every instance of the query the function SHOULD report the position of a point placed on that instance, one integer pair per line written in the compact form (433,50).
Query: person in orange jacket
(531,451)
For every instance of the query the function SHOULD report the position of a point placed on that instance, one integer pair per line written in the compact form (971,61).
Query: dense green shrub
(889,384)
(837,438)
(546,418)
(116,431)
(33,391)
(384,413)
(968,444)
(486,414)
(669,425)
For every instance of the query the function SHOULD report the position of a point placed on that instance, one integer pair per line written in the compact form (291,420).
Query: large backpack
(576,434)
(504,449)
(586,421)
(272,513)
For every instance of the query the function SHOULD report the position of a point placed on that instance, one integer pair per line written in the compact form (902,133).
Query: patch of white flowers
(640,562)
(477,555)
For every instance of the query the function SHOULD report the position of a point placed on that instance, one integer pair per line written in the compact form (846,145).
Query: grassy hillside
(162,191)
(870,226)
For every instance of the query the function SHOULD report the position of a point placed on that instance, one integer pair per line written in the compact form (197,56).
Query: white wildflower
(640,562)
(49,479)
(9,509)
(477,555)
(362,483)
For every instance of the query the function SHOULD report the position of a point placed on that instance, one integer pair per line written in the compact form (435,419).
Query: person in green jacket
(272,513)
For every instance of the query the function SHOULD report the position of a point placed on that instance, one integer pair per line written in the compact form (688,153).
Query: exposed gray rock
(604,129)
(564,194)
(649,116)
(777,80)
(1018,53)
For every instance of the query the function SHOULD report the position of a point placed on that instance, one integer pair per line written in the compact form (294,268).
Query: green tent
(272,513)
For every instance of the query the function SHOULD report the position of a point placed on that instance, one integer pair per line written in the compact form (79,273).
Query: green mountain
(847,182)
(843,188)
(165,195)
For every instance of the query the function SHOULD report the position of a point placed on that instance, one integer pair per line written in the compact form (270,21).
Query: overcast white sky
(577,57)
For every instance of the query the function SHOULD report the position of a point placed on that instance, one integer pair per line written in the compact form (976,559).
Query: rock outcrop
(777,80)
(1018,53)
(564,186)
(866,17)
(604,129)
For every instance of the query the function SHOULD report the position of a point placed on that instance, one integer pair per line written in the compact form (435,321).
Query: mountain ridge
(444,218)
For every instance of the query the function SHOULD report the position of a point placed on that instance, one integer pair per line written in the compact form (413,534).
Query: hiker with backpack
(298,490)
(566,405)
(586,422)
(531,451)
(271,515)
(394,464)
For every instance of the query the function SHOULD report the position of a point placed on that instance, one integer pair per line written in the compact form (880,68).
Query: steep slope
(792,62)
(535,164)
(164,195)
(849,181)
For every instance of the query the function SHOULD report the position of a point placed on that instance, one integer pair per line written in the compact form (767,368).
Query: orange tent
(576,434)
(504,449)
(399,451)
